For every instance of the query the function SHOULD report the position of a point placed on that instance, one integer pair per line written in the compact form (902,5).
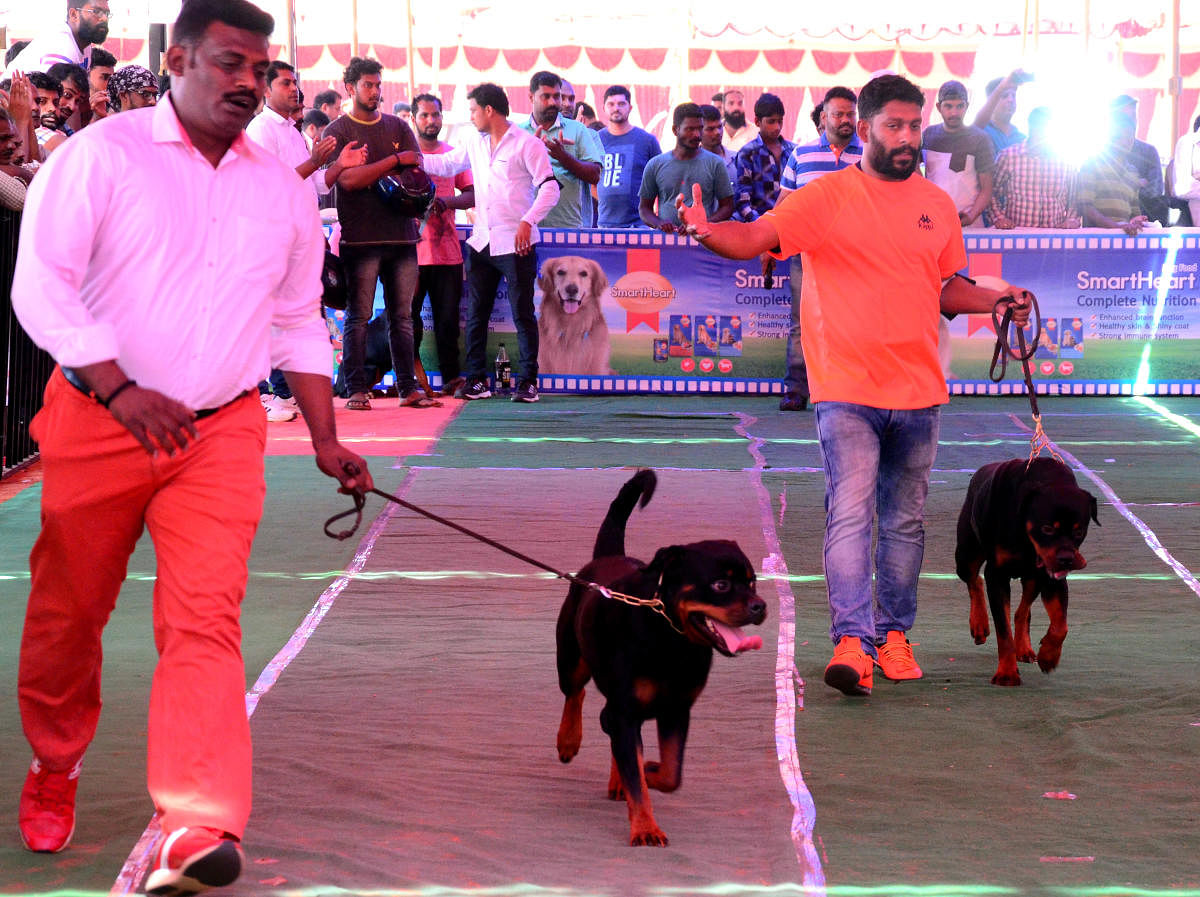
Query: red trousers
(100,488)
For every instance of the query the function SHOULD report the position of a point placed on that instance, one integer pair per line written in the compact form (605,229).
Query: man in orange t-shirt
(881,251)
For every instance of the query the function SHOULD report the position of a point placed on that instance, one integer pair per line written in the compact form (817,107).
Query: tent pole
(291,31)
(1176,85)
(412,77)
(353,27)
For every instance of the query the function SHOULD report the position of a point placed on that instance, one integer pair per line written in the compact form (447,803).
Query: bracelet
(116,392)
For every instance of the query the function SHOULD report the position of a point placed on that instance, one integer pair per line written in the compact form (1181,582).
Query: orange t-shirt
(875,254)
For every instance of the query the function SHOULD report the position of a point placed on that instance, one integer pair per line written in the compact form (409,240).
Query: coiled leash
(1022,353)
(360,500)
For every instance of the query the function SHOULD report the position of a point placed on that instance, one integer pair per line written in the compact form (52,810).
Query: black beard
(736,119)
(884,163)
(93,34)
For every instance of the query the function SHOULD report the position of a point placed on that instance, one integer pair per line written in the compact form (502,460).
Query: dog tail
(610,541)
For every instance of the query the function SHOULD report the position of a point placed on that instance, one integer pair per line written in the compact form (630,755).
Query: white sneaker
(279,409)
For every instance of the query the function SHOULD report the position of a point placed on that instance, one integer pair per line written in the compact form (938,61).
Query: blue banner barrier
(643,311)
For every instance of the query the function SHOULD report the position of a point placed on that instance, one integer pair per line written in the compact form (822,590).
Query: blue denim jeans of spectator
(877,464)
(484,272)
(795,381)
(396,266)
(276,384)
(443,284)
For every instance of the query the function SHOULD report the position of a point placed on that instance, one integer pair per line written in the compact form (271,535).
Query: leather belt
(73,378)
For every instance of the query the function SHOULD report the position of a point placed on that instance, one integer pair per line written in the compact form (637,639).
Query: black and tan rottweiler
(646,664)
(1027,523)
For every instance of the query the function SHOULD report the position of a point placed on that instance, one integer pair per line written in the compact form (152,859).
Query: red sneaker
(896,660)
(191,860)
(851,671)
(47,813)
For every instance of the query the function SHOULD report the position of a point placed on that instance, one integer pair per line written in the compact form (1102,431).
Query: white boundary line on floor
(1186,575)
(789,687)
(129,880)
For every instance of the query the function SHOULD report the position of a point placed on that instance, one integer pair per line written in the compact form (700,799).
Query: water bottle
(503,370)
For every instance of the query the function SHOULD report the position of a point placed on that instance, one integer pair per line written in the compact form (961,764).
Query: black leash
(360,501)
(1004,349)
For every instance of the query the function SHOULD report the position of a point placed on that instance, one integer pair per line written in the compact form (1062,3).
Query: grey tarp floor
(411,744)
(408,749)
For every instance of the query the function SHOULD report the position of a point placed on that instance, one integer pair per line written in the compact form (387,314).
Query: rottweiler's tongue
(735,641)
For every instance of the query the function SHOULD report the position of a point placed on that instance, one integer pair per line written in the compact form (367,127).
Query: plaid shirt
(1032,189)
(756,189)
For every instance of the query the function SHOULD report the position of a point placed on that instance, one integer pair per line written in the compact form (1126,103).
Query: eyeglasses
(147,94)
(98,13)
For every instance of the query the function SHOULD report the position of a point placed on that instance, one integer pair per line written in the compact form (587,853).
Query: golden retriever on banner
(572,332)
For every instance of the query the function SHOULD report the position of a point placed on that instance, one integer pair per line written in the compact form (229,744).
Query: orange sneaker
(896,660)
(851,670)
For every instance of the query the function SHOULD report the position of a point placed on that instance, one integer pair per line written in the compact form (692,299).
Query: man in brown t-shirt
(377,243)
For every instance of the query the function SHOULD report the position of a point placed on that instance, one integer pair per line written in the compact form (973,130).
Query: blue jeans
(395,265)
(795,381)
(484,272)
(877,465)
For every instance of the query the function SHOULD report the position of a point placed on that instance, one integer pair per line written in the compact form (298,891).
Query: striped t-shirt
(810,161)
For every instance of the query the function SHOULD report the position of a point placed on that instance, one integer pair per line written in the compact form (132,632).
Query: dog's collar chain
(655,603)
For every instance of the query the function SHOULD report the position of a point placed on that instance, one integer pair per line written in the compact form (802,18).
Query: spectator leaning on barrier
(510,200)
(678,170)
(837,147)
(959,158)
(1144,160)
(1108,182)
(86,24)
(576,153)
(378,243)
(883,247)
(439,253)
(711,131)
(1034,187)
(164,263)
(627,150)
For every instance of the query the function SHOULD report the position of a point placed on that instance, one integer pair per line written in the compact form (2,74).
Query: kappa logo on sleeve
(925,222)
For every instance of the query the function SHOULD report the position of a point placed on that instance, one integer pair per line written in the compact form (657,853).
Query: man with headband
(132,87)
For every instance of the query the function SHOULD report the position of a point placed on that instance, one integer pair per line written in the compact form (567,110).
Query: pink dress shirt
(195,280)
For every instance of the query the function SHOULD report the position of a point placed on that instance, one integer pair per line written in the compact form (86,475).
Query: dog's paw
(616,792)
(1006,677)
(1048,656)
(1025,654)
(652,836)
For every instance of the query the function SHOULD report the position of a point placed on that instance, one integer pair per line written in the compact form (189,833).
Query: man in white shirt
(514,190)
(86,24)
(275,131)
(162,327)
(1185,171)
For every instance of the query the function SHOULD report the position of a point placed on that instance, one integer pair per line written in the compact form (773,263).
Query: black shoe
(793,401)
(526,392)
(473,389)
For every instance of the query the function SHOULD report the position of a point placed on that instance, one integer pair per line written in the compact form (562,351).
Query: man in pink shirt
(439,253)
(162,328)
